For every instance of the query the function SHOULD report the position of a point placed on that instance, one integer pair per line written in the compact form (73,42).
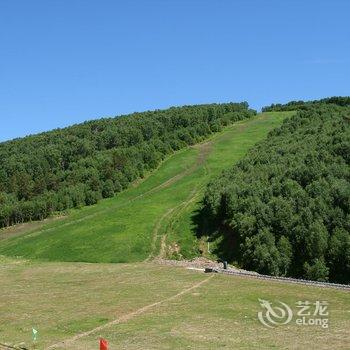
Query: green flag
(34,333)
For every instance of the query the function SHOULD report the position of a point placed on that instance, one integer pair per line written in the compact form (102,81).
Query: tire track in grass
(204,154)
(184,205)
(171,214)
(204,151)
(155,233)
(193,196)
(127,317)
(176,210)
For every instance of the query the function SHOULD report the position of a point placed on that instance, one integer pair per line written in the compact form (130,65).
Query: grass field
(175,308)
(151,218)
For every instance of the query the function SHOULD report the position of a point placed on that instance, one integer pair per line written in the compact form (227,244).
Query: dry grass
(62,300)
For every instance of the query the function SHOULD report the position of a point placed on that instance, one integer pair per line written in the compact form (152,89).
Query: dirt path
(26,227)
(127,317)
(155,233)
(181,207)
(204,151)
(190,199)
(175,212)
(170,213)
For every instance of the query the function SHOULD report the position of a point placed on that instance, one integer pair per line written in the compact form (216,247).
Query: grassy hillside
(175,308)
(78,165)
(154,217)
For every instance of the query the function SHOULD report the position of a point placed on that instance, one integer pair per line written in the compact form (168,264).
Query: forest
(284,209)
(77,166)
(303,105)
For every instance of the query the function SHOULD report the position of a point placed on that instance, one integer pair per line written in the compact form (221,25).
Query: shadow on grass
(226,241)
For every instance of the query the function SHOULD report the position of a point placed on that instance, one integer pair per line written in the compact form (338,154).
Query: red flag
(103,344)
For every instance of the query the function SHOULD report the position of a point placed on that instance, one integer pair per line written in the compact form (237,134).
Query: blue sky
(63,62)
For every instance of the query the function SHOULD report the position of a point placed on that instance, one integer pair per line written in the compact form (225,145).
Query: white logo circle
(274,315)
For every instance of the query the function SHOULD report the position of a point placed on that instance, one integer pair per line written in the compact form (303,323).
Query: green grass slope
(152,218)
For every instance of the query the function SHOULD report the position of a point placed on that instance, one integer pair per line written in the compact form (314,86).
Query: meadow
(73,304)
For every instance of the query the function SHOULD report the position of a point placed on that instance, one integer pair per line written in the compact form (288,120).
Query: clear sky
(63,62)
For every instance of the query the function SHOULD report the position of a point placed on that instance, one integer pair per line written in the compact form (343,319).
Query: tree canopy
(285,208)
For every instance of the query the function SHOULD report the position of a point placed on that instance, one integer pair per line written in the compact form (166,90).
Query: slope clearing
(151,218)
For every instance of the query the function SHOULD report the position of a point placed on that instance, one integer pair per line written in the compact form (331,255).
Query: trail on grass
(172,214)
(156,230)
(175,214)
(126,317)
(204,151)
(169,214)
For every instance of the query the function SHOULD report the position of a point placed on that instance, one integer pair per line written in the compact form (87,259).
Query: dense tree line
(78,165)
(304,105)
(285,208)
